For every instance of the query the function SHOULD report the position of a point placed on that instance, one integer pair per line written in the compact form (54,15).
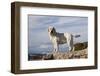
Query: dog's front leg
(56,48)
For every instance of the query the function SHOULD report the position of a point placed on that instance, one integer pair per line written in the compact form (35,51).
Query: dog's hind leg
(70,43)
(71,48)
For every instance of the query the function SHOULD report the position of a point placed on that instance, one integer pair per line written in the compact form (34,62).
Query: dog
(61,38)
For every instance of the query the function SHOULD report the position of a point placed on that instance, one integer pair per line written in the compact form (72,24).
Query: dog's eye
(52,31)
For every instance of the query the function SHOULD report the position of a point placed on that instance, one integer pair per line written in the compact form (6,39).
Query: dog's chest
(59,38)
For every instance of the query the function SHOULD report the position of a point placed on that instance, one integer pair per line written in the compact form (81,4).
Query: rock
(70,55)
(77,55)
(84,56)
(48,57)
(80,46)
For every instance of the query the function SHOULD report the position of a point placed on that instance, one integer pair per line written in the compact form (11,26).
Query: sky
(38,38)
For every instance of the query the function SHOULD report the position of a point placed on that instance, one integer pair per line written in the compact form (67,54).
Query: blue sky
(38,39)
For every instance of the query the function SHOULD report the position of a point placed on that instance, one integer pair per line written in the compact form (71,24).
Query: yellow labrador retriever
(61,38)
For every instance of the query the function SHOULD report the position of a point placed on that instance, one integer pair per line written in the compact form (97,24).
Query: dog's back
(61,39)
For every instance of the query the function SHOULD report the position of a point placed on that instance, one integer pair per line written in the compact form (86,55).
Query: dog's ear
(53,31)
(49,28)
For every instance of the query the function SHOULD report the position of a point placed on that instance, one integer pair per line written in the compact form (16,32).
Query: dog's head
(52,30)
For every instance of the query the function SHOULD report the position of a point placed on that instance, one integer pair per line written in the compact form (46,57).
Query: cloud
(35,22)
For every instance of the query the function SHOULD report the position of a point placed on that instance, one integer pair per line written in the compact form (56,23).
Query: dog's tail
(76,36)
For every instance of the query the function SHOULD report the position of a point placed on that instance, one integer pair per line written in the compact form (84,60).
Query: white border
(25,64)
